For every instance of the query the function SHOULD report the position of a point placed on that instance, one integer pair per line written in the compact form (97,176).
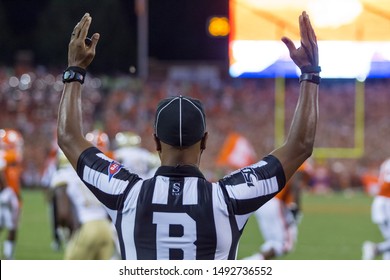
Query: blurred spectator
(29,103)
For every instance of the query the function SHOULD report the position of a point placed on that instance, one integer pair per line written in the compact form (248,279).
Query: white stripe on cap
(180,116)
(158,116)
(180,122)
(200,112)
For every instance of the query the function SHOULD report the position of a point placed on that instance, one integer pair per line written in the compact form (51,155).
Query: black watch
(74,74)
(310,77)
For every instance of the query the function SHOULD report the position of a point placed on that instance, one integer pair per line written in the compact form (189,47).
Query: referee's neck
(174,156)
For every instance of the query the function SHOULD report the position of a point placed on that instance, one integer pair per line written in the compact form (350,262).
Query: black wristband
(310,69)
(312,78)
(74,74)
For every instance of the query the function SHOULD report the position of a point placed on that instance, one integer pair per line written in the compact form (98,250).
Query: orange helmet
(10,139)
(100,139)
(11,143)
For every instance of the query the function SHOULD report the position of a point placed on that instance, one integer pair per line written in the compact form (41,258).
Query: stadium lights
(339,59)
(218,26)
(353,37)
(332,13)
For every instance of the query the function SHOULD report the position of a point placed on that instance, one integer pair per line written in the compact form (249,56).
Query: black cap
(180,121)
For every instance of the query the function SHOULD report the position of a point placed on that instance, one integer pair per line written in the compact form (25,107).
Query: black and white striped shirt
(178,214)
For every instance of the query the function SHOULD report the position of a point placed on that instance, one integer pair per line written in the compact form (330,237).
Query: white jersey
(138,160)
(9,209)
(278,227)
(87,207)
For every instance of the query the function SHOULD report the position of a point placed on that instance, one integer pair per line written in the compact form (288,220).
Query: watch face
(68,75)
(73,75)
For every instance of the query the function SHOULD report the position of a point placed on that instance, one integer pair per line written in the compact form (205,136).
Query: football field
(333,227)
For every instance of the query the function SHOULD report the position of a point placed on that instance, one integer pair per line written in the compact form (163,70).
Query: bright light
(332,13)
(353,37)
(254,56)
(346,59)
(338,59)
(13,81)
(218,26)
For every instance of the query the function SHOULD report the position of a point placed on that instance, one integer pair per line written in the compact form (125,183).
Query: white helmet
(62,160)
(127,139)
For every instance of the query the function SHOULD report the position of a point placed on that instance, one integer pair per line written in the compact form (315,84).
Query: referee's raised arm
(81,52)
(179,214)
(300,140)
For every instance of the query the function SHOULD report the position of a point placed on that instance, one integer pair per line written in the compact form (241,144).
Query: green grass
(333,228)
(34,234)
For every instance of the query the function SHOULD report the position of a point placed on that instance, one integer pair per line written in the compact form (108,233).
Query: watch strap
(310,69)
(79,75)
(310,77)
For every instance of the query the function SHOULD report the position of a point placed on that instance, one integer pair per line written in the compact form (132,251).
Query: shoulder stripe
(190,195)
(160,194)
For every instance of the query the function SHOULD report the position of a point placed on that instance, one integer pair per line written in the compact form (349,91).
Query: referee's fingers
(289,44)
(94,40)
(85,23)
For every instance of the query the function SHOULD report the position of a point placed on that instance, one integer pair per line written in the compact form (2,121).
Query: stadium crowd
(29,101)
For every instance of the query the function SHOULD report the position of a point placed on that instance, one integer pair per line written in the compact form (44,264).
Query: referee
(178,214)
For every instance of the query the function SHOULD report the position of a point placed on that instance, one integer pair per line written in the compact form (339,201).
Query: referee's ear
(203,141)
(157,142)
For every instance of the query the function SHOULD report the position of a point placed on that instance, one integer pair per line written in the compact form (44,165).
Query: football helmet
(127,139)
(11,143)
(10,139)
(62,160)
(100,139)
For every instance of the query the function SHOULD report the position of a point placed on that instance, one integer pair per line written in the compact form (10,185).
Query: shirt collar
(179,171)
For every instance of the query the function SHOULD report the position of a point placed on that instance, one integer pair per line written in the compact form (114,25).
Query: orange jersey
(370,183)
(12,176)
(11,145)
(384,179)
(13,169)
(287,193)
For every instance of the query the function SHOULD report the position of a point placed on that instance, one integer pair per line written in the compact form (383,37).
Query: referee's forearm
(304,124)
(300,140)
(69,129)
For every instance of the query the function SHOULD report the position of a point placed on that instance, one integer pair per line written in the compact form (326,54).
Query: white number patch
(165,242)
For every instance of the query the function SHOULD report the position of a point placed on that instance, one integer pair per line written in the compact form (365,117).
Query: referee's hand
(81,49)
(307,54)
